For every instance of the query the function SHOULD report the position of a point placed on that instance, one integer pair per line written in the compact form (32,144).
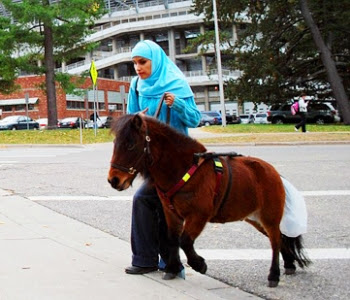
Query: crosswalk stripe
(266,254)
(129,197)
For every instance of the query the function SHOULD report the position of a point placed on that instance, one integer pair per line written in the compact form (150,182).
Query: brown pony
(196,187)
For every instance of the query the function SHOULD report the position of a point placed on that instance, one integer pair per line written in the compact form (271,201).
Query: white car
(42,123)
(247,119)
(261,118)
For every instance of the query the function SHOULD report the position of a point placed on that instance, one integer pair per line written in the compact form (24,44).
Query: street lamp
(218,60)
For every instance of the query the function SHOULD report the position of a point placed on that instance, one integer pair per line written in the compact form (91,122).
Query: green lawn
(245,133)
(274,128)
(59,136)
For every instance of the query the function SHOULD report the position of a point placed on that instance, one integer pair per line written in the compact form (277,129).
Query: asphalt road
(72,181)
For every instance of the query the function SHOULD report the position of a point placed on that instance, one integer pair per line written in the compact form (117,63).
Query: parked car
(210,118)
(106,121)
(319,113)
(102,122)
(232,119)
(247,119)
(17,123)
(42,123)
(72,122)
(261,118)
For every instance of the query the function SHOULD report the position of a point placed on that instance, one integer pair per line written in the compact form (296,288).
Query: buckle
(218,167)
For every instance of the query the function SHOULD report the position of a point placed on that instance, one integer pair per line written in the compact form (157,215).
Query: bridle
(146,151)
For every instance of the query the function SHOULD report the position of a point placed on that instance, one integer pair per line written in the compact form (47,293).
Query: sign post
(122,96)
(26,96)
(93,75)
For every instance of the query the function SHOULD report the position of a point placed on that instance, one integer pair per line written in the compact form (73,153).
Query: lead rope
(157,113)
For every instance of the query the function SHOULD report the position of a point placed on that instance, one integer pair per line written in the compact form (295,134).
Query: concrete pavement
(46,255)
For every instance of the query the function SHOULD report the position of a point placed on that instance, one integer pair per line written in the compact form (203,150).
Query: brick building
(109,96)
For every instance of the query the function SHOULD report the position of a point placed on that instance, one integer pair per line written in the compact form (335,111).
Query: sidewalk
(45,255)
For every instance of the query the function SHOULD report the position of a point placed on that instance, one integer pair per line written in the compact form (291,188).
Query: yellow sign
(93,72)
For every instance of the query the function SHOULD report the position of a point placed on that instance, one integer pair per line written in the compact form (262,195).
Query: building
(110,98)
(172,25)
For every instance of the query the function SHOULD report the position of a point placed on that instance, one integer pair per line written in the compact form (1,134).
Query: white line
(80,198)
(129,197)
(327,193)
(266,254)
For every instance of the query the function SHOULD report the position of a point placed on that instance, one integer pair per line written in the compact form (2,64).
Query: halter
(146,150)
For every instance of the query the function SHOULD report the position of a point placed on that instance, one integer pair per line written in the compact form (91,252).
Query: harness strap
(219,173)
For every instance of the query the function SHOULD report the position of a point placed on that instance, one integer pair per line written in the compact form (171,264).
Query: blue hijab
(165,76)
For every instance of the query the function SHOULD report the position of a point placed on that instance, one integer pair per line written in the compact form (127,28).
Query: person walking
(157,75)
(302,113)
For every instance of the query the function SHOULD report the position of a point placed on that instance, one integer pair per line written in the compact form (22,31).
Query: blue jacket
(183,113)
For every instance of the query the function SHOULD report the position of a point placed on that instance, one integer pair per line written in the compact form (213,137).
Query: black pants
(148,228)
(302,123)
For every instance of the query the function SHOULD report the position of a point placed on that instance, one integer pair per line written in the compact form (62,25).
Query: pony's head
(130,148)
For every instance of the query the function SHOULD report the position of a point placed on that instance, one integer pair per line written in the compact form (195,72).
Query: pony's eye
(130,146)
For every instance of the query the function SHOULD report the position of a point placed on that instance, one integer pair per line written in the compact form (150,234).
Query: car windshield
(68,119)
(212,114)
(10,119)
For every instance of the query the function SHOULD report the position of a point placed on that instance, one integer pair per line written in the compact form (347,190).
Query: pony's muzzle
(114,182)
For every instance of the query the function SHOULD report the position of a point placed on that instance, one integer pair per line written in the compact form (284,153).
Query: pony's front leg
(173,263)
(193,227)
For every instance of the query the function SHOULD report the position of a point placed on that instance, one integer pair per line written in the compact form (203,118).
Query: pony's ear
(137,121)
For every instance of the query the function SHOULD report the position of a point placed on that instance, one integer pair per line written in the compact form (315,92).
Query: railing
(138,18)
(198,73)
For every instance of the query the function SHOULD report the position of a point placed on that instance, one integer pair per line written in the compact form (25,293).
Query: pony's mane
(160,129)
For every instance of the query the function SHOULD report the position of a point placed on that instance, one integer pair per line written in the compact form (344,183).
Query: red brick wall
(30,85)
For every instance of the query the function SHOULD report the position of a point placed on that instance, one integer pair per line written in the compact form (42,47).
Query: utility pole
(218,60)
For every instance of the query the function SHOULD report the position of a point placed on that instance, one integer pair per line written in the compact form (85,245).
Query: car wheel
(278,121)
(14,128)
(206,124)
(319,121)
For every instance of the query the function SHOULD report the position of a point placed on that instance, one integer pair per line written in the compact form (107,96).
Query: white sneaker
(296,129)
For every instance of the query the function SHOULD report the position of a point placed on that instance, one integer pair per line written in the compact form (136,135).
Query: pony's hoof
(289,271)
(203,269)
(169,276)
(273,284)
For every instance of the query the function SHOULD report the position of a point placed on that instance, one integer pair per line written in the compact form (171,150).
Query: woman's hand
(143,112)
(169,99)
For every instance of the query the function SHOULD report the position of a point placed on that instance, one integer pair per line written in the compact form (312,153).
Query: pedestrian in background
(302,113)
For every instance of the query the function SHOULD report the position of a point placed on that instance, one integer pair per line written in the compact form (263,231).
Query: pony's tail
(294,247)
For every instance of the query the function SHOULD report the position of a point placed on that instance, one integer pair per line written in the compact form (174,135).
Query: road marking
(265,254)
(129,197)
(327,193)
(80,198)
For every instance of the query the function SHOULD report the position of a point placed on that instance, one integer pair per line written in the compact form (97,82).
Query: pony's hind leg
(273,233)
(193,227)
(275,237)
(292,251)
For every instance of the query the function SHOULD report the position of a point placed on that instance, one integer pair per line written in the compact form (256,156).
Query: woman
(157,75)
(302,113)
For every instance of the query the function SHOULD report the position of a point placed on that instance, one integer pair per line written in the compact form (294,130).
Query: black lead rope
(157,113)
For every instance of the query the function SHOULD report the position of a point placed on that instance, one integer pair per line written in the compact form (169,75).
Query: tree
(276,50)
(326,56)
(45,31)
